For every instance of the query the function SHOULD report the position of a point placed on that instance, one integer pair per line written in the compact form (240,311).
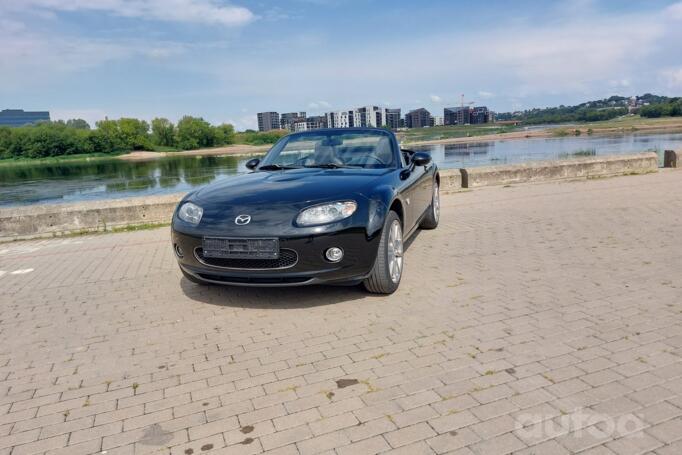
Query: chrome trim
(201,261)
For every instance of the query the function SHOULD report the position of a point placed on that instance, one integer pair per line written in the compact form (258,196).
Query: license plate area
(237,248)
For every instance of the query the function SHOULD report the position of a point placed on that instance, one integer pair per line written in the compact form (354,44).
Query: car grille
(287,258)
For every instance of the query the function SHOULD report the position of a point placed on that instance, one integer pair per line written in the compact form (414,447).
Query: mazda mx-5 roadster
(330,206)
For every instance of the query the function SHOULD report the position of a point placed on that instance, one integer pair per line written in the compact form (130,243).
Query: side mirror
(253,164)
(421,158)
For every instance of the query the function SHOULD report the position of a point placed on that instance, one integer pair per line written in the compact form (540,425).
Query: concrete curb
(100,216)
(582,168)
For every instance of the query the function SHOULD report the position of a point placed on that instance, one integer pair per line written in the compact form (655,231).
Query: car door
(425,185)
(411,194)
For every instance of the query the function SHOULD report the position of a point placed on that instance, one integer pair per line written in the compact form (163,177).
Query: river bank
(625,126)
(413,138)
(234,150)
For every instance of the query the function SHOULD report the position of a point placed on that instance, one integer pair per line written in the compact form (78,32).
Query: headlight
(326,213)
(190,213)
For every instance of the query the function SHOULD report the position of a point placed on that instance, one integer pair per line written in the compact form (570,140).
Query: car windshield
(332,149)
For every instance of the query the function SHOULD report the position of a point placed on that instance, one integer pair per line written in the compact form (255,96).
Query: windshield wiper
(276,167)
(332,166)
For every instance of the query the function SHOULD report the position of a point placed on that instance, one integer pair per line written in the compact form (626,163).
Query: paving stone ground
(542,319)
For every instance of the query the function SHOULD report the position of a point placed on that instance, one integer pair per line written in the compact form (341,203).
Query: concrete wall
(61,219)
(581,168)
(450,180)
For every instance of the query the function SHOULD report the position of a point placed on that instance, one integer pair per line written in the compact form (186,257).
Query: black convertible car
(329,206)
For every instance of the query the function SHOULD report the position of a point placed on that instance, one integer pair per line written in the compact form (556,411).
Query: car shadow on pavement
(274,298)
(278,297)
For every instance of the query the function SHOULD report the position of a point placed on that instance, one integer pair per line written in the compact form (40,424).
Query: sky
(226,60)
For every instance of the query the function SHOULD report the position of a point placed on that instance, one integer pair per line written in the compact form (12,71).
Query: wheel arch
(397,207)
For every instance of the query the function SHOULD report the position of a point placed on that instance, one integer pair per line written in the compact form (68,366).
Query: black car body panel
(274,198)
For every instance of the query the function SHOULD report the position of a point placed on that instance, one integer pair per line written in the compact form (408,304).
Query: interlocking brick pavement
(540,319)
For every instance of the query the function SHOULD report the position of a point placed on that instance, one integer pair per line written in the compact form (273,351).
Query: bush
(256,138)
(194,133)
(224,134)
(134,134)
(72,137)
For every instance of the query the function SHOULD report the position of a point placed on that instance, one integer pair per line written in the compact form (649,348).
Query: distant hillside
(647,105)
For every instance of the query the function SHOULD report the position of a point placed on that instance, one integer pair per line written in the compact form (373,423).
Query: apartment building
(268,121)
(418,118)
(288,120)
(20,117)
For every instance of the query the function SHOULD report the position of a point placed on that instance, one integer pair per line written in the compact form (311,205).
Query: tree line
(74,137)
(565,114)
(671,108)
(594,111)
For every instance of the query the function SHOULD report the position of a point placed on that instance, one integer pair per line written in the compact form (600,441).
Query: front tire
(431,219)
(388,267)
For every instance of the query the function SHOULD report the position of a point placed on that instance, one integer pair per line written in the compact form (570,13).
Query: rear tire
(193,279)
(388,267)
(432,217)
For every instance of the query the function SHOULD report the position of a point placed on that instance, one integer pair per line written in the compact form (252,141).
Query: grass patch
(137,227)
(57,159)
(452,132)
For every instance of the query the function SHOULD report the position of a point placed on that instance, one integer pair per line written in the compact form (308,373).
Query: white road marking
(2,272)
(22,271)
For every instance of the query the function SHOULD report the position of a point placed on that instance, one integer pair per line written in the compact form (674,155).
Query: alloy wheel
(395,251)
(436,202)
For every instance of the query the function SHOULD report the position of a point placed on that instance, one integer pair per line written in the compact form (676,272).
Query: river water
(112,179)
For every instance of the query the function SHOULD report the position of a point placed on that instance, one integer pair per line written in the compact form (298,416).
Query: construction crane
(469,103)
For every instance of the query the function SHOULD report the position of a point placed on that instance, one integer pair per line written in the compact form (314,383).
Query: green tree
(107,138)
(194,132)
(134,134)
(78,123)
(163,132)
(224,134)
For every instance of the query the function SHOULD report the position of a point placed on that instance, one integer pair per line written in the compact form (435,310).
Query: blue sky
(227,60)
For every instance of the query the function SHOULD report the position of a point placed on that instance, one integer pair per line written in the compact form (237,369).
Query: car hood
(274,198)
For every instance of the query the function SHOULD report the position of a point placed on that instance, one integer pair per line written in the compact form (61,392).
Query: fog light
(178,251)
(334,254)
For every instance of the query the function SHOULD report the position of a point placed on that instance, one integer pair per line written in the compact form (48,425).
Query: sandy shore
(241,149)
(550,132)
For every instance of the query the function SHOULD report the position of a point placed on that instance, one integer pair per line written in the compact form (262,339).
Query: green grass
(138,227)
(58,159)
(452,132)
(579,153)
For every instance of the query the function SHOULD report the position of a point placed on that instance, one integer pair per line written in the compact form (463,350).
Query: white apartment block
(438,120)
(370,116)
(367,116)
(341,119)
(300,126)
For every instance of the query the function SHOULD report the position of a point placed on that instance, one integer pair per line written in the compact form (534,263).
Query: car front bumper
(311,267)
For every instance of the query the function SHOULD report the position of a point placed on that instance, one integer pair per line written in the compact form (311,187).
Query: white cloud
(672,77)
(196,11)
(674,11)
(245,122)
(485,95)
(621,83)
(319,105)
(436,99)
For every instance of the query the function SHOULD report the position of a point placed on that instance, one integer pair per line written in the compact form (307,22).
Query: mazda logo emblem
(241,220)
